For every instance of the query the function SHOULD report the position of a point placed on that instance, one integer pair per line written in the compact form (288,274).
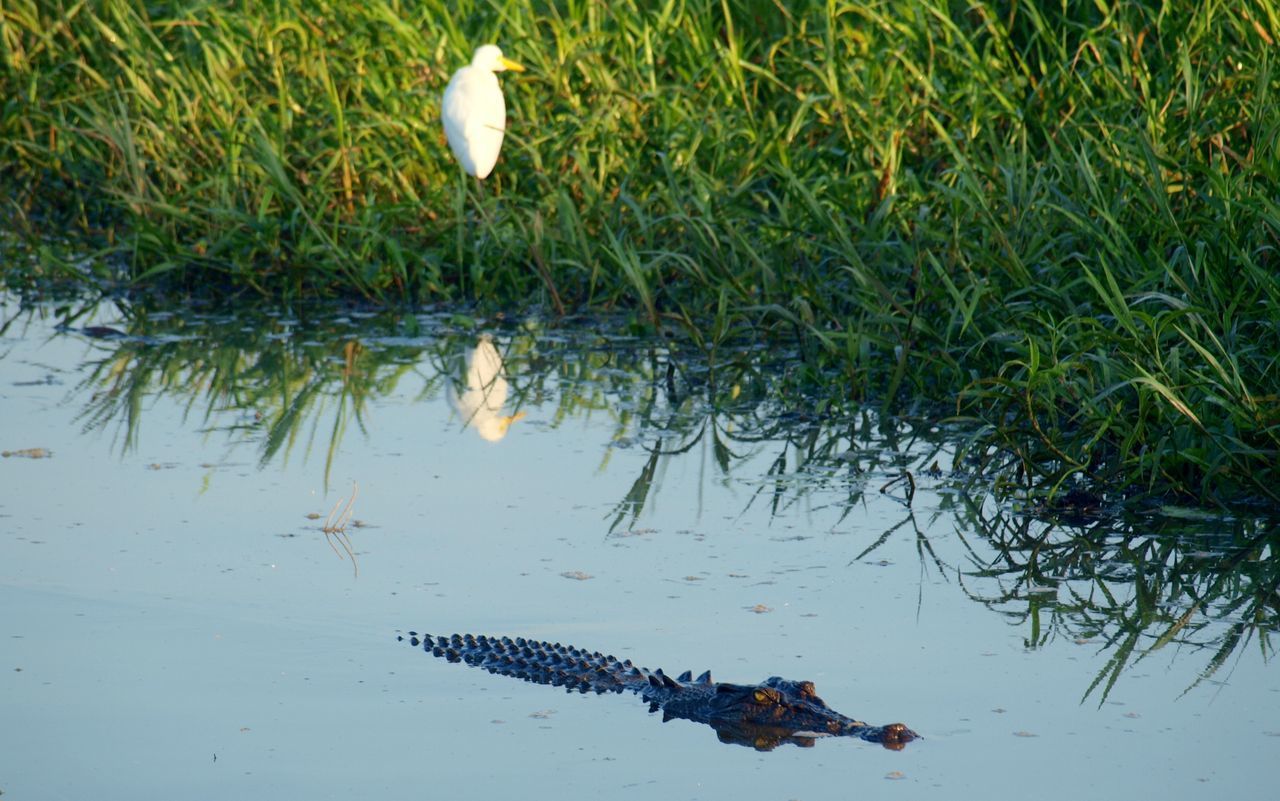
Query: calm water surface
(177,624)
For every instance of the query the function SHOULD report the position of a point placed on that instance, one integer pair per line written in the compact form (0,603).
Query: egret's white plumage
(474,113)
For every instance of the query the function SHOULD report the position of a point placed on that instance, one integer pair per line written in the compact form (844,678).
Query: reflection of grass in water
(1135,587)
(282,382)
(258,379)
(277,384)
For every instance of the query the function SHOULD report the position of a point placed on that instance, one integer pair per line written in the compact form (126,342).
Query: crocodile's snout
(896,735)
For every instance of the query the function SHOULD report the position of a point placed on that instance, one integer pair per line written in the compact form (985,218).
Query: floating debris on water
(28,453)
(633,532)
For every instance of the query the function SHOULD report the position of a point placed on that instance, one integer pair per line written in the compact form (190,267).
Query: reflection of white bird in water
(480,404)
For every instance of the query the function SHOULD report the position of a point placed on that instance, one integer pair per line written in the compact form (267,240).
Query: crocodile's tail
(540,662)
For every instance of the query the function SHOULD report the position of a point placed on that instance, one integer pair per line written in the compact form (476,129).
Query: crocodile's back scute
(535,661)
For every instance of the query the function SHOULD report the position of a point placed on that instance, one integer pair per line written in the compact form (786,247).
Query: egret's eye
(761,696)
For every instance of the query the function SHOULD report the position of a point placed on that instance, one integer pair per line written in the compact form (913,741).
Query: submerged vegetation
(1060,220)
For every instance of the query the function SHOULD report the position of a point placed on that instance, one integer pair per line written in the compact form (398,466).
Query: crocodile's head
(778,703)
(794,706)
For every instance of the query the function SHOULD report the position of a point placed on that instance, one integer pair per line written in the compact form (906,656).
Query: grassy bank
(1062,218)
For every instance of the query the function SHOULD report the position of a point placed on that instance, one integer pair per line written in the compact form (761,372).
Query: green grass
(1062,218)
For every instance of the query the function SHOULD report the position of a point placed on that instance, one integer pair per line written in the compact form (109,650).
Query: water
(177,624)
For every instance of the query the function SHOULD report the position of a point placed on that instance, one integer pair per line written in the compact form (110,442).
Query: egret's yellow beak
(512,65)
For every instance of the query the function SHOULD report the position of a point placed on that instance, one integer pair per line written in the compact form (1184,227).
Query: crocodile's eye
(761,696)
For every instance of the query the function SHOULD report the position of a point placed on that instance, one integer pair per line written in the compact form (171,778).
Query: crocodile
(762,716)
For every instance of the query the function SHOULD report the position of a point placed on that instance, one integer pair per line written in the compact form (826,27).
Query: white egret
(474,113)
(480,404)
